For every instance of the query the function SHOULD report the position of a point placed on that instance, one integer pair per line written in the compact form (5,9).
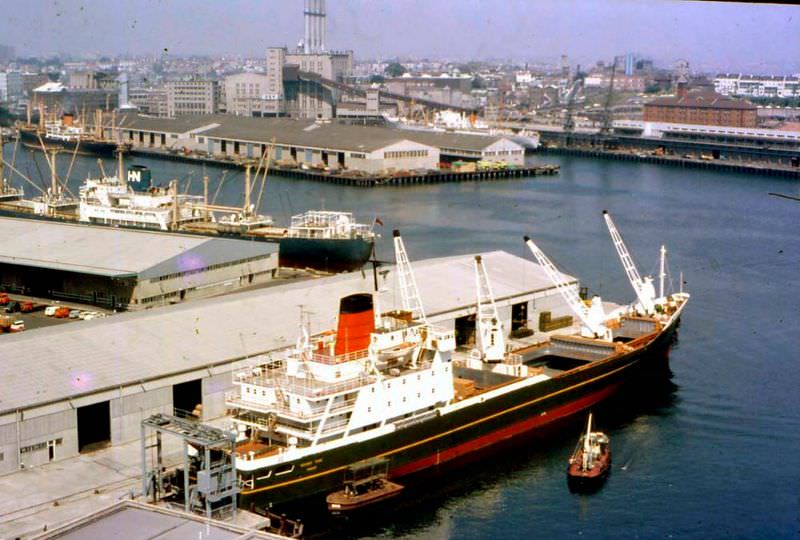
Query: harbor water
(712,451)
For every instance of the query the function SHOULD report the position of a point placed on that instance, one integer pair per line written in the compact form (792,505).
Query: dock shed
(321,144)
(125,268)
(94,382)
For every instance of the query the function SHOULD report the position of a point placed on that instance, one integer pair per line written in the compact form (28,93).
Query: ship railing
(330,359)
(513,359)
(308,388)
(234,400)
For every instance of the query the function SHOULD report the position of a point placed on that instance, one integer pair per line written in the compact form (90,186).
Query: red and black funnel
(356,323)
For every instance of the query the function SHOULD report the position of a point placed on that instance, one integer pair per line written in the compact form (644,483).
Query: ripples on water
(712,453)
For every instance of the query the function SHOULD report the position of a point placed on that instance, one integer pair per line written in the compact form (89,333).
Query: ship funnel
(356,323)
(139,178)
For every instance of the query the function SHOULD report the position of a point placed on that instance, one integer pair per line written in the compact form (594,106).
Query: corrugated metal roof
(69,360)
(113,252)
(307,133)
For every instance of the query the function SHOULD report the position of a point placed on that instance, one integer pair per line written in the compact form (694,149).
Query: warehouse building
(93,383)
(125,269)
(703,107)
(313,143)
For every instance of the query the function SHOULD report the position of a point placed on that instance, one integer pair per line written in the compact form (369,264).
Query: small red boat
(365,483)
(590,462)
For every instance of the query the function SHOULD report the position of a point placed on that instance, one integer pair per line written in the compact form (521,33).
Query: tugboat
(590,462)
(365,484)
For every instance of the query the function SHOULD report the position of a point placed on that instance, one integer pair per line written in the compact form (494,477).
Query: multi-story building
(194,96)
(248,94)
(10,85)
(701,107)
(769,86)
(55,98)
(149,101)
(93,80)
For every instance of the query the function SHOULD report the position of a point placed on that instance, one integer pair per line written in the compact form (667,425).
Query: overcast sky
(711,35)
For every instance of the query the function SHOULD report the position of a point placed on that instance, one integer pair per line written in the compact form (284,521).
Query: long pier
(366,179)
(725,165)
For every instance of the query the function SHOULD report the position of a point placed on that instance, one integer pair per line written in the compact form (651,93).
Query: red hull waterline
(476,446)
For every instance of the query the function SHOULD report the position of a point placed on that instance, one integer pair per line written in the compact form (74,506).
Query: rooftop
(702,99)
(116,253)
(107,355)
(305,133)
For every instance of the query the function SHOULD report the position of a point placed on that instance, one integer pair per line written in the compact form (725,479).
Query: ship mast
(587,446)
(643,287)
(661,272)
(491,343)
(592,319)
(408,285)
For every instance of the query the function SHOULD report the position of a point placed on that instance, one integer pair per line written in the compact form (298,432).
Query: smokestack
(314,12)
(356,323)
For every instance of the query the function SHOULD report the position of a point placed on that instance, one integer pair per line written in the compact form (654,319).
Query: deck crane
(645,291)
(490,340)
(593,317)
(409,293)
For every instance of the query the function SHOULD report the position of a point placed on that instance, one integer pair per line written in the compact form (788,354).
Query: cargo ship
(66,135)
(392,386)
(320,240)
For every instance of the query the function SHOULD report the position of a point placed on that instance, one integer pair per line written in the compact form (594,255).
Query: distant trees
(377,79)
(395,69)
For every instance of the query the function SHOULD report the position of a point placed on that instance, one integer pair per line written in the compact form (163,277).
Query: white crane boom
(409,293)
(592,320)
(644,291)
(491,342)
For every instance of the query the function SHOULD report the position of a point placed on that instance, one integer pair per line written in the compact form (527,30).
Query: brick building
(701,106)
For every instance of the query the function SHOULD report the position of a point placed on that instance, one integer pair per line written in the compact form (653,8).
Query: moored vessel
(65,134)
(392,386)
(365,485)
(590,462)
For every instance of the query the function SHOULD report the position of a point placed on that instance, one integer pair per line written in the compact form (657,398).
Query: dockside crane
(592,317)
(608,123)
(490,340)
(572,94)
(645,291)
(409,293)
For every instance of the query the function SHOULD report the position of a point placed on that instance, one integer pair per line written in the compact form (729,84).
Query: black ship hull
(327,255)
(30,137)
(444,441)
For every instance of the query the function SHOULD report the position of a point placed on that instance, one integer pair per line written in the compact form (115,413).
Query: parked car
(4,299)
(50,310)
(26,307)
(73,314)
(61,312)
(18,326)
(12,307)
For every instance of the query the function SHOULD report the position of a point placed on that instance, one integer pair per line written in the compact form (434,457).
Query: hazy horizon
(754,38)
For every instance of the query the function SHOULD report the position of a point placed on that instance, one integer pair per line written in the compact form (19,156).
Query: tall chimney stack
(314,12)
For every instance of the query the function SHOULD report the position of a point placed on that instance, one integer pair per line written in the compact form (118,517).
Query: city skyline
(711,35)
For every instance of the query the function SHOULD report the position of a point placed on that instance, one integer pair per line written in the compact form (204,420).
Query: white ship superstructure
(111,201)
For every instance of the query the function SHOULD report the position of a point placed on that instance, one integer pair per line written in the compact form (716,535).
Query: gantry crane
(608,124)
